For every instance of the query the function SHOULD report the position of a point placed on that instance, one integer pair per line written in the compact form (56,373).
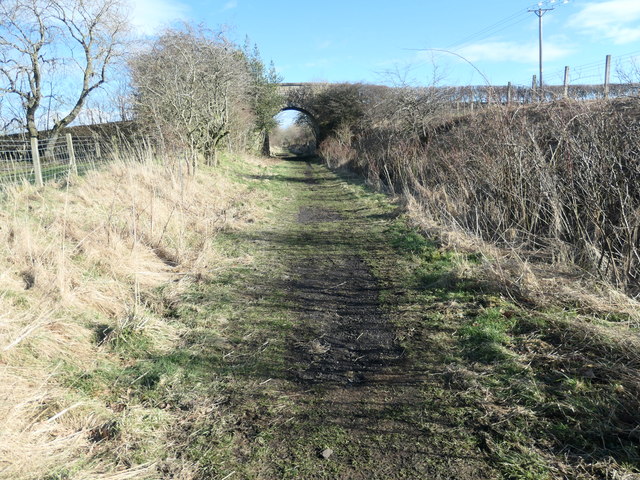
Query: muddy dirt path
(363,408)
(338,298)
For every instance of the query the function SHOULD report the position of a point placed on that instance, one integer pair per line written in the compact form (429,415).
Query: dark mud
(308,215)
(350,340)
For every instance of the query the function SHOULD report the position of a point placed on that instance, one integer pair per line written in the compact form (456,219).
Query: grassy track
(343,344)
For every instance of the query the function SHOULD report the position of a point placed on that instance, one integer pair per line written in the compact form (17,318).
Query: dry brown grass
(87,252)
(518,275)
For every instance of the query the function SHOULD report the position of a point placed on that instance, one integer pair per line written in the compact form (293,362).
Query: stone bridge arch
(313,121)
(297,97)
(300,95)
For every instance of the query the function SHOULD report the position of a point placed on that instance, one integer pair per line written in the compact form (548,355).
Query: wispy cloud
(230,5)
(614,20)
(323,45)
(148,16)
(501,51)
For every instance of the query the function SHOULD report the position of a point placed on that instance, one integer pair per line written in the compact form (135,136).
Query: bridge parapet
(298,96)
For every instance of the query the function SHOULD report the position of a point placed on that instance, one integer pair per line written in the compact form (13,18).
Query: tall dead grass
(82,254)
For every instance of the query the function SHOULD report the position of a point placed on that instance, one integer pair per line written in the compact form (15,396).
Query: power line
(540,13)
(540,10)
(492,29)
(509,21)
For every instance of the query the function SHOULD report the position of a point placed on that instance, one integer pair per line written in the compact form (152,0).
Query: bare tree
(67,45)
(195,87)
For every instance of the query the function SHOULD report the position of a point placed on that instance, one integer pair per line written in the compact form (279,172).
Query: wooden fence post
(509,93)
(97,147)
(73,166)
(566,82)
(35,156)
(607,76)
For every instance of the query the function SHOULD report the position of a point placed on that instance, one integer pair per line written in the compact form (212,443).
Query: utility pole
(566,82)
(540,13)
(607,76)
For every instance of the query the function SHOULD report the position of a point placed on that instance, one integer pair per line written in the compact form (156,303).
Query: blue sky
(380,41)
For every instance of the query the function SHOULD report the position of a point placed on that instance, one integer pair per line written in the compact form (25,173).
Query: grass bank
(82,264)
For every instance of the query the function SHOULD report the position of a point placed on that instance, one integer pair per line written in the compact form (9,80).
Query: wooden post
(73,166)
(35,156)
(534,86)
(607,76)
(566,82)
(509,93)
(97,146)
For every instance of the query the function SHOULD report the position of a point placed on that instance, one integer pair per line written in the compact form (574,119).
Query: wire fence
(49,159)
(486,94)
(580,88)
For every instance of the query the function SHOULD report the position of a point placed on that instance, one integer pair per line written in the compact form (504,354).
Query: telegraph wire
(491,29)
(507,22)
(592,69)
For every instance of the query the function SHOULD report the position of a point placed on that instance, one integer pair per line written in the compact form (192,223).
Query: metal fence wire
(57,158)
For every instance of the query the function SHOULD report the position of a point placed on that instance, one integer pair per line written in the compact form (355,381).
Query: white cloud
(614,20)
(498,51)
(148,16)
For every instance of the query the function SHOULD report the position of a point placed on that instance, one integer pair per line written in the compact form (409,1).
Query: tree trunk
(266,147)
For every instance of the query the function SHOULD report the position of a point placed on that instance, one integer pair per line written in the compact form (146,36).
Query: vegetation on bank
(553,181)
(82,265)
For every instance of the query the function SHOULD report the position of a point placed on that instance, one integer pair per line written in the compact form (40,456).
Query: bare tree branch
(37,37)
